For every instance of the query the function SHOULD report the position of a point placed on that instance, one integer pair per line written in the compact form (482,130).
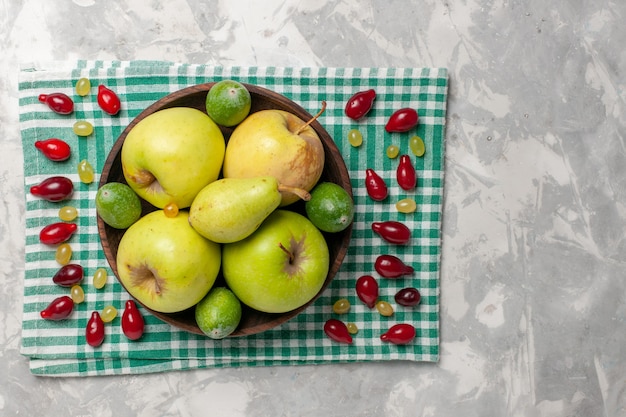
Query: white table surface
(533,284)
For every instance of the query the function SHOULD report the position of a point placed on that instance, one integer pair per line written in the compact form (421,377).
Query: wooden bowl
(252,321)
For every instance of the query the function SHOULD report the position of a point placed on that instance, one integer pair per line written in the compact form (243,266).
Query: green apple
(170,155)
(280,267)
(277,144)
(165,264)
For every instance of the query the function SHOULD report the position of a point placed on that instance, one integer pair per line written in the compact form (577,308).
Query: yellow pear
(278,144)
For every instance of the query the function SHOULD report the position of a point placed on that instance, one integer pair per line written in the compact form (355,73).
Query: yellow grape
(355,138)
(108,314)
(341,306)
(416,144)
(352,328)
(83,128)
(68,213)
(406,205)
(384,308)
(171,210)
(100,278)
(392,151)
(83,86)
(77,294)
(63,254)
(85,172)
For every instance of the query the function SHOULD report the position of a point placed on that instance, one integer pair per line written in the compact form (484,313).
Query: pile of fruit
(223,206)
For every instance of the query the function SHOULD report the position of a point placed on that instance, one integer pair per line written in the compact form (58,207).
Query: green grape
(83,128)
(417,146)
(355,138)
(85,172)
(392,151)
(83,86)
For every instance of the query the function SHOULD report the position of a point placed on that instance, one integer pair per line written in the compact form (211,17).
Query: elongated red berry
(392,231)
(360,104)
(367,290)
(132,321)
(54,149)
(55,188)
(108,101)
(58,102)
(94,332)
(375,186)
(60,308)
(402,120)
(390,266)
(58,232)
(337,331)
(399,334)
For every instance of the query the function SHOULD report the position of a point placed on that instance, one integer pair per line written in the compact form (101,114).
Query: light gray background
(534,274)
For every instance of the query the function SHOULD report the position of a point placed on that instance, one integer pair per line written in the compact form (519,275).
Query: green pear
(231,209)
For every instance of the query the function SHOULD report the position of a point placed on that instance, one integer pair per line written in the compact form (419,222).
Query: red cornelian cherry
(408,297)
(60,308)
(389,266)
(375,185)
(108,101)
(94,332)
(68,275)
(132,321)
(338,331)
(405,173)
(54,149)
(55,233)
(360,104)
(402,120)
(399,334)
(392,231)
(58,102)
(55,188)
(367,290)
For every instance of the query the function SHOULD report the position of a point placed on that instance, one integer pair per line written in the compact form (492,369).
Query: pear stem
(304,126)
(287,251)
(303,194)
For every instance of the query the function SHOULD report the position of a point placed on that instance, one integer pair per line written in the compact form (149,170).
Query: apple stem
(303,194)
(287,251)
(304,126)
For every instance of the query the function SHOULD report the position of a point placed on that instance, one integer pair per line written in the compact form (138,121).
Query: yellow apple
(165,264)
(170,155)
(277,144)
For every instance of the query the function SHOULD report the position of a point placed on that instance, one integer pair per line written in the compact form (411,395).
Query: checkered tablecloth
(59,348)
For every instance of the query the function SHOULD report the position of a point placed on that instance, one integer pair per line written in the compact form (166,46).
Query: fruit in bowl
(328,253)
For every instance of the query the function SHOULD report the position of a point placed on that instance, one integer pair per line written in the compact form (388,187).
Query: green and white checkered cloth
(59,348)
